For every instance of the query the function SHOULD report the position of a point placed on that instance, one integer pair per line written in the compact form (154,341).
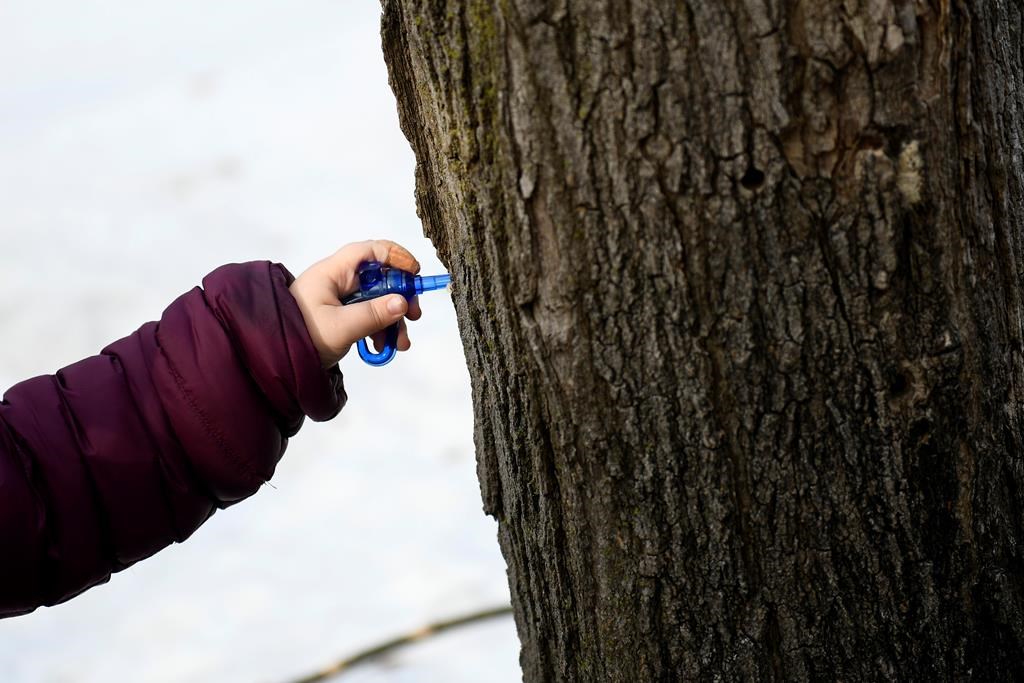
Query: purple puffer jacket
(121,454)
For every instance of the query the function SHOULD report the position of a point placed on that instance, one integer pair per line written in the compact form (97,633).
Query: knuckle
(377,313)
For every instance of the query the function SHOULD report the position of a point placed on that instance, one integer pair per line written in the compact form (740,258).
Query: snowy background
(142,144)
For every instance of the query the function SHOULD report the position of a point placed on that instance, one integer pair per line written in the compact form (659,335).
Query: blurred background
(142,144)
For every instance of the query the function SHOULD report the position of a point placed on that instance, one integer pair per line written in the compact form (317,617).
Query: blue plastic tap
(376,280)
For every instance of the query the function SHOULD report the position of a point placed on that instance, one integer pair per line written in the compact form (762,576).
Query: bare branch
(419,634)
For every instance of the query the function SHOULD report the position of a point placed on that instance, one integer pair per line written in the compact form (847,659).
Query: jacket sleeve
(121,454)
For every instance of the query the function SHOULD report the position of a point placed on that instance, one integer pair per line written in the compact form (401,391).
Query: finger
(403,337)
(344,263)
(414,309)
(355,321)
(397,256)
(379,338)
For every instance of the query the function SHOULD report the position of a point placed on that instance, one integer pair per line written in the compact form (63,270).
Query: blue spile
(376,280)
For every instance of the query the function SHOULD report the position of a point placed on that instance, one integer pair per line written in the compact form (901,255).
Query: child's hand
(334,327)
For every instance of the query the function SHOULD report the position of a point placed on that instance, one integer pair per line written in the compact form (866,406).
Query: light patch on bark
(909,179)
(876,26)
(893,38)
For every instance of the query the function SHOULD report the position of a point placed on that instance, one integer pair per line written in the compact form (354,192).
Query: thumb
(356,321)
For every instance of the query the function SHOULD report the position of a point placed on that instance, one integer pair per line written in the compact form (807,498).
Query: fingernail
(396,305)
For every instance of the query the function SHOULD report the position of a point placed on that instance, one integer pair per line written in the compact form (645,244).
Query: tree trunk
(740,288)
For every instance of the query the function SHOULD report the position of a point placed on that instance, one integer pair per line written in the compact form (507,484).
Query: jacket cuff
(320,393)
(253,302)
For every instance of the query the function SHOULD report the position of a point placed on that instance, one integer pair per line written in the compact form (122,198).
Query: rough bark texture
(740,288)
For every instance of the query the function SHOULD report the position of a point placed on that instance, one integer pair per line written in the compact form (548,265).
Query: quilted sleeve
(115,457)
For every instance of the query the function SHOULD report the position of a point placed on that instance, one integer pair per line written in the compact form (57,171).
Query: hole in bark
(753,178)
(871,141)
(897,384)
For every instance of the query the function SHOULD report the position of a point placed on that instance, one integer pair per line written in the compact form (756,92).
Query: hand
(334,327)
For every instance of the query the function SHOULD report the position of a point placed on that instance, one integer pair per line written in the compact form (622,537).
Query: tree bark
(740,288)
